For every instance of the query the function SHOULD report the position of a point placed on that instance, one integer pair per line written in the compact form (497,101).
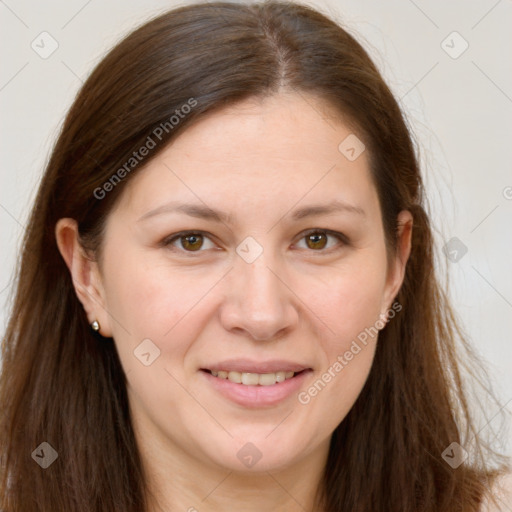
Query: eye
(190,241)
(317,239)
(194,241)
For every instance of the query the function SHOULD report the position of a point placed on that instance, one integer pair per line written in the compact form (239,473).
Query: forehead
(280,127)
(260,152)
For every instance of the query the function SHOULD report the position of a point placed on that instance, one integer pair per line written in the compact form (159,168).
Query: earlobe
(84,274)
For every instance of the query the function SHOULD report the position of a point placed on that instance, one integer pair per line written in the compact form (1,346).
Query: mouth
(256,390)
(254,379)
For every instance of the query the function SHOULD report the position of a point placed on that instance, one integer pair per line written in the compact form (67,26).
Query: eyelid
(166,242)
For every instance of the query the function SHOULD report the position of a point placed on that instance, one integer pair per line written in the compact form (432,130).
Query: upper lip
(249,366)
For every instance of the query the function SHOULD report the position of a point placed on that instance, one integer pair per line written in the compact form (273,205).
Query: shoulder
(502,492)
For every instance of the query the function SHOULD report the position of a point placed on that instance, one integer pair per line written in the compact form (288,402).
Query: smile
(254,379)
(256,390)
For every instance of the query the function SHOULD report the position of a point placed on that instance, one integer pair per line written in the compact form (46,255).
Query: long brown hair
(63,385)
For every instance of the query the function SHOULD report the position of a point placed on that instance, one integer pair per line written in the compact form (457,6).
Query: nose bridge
(259,302)
(259,281)
(259,285)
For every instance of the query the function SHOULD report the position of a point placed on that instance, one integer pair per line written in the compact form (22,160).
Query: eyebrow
(206,213)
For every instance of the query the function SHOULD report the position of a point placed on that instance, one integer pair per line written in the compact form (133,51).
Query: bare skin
(302,299)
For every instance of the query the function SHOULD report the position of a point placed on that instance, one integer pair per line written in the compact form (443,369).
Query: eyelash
(167,242)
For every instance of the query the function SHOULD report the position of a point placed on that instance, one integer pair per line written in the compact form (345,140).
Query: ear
(397,267)
(85,274)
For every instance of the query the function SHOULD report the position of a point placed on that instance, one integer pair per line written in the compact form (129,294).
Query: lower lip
(257,396)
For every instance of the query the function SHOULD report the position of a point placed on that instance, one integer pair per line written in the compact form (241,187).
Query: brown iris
(315,239)
(192,242)
(195,242)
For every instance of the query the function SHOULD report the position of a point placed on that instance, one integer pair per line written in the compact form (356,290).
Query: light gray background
(459,109)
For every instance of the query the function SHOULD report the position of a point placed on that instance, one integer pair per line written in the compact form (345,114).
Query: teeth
(254,379)
(235,377)
(249,379)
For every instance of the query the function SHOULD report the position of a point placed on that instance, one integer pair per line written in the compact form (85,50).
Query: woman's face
(253,292)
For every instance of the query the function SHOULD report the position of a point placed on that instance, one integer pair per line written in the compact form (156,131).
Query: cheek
(333,393)
(349,303)
(351,307)
(151,296)
(155,302)
(161,305)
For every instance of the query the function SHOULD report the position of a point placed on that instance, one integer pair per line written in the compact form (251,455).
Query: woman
(226,298)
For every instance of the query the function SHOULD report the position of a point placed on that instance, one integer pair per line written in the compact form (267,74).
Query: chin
(255,453)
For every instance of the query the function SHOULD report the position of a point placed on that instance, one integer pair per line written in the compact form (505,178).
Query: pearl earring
(95,326)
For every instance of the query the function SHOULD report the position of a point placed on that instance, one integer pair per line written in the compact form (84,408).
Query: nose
(259,302)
